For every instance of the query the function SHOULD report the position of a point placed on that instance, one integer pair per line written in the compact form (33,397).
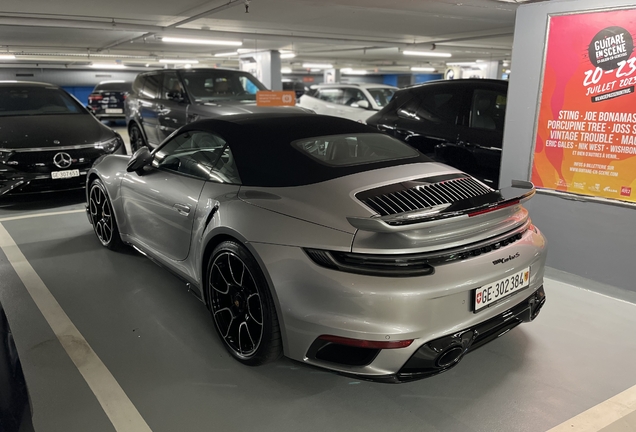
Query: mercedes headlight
(5,155)
(112,145)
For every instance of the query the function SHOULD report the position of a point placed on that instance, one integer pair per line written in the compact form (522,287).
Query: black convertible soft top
(265,157)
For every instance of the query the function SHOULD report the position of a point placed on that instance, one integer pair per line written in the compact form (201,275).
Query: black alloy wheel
(242,306)
(137,140)
(102,218)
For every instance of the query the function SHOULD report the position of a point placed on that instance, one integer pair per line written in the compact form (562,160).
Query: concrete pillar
(332,76)
(265,66)
(491,69)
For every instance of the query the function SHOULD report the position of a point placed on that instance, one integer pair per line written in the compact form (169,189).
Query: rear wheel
(241,305)
(137,140)
(102,216)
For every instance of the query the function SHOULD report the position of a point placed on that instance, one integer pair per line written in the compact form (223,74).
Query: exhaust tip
(450,356)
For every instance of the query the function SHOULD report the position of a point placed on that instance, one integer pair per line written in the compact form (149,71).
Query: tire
(137,139)
(237,302)
(102,216)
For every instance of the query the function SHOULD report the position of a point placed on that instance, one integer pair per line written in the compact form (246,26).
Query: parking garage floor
(156,342)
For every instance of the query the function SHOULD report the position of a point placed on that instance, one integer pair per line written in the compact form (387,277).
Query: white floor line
(114,401)
(591,291)
(35,215)
(601,415)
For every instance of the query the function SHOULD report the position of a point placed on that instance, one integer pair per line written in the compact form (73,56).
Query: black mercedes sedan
(48,140)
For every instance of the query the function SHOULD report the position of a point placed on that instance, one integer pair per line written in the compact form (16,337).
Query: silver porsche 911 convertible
(327,241)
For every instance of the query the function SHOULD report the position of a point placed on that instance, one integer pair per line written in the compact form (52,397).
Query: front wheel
(242,306)
(137,140)
(102,216)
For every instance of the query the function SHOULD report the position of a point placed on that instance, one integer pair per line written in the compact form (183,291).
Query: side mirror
(176,95)
(140,159)
(364,104)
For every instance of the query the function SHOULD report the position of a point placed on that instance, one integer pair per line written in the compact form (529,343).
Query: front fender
(110,169)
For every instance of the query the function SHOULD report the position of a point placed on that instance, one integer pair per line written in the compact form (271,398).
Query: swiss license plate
(64,174)
(114,111)
(489,294)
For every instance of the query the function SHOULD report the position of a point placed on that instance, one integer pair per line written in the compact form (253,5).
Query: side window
(138,84)
(488,110)
(151,86)
(171,85)
(439,106)
(199,154)
(408,110)
(331,95)
(248,86)
(351,97)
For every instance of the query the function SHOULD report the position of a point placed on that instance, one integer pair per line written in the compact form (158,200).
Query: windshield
(30,101)
(113,86)
(354,149)
(381,96)
(208,86)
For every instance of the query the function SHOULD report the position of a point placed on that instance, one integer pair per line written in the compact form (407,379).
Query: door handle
(183,209)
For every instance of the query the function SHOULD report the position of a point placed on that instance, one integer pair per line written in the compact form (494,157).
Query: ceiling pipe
(205,14)
(164,31)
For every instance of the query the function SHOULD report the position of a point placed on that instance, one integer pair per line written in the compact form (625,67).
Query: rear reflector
(95,97)
(492,209)
(366,344)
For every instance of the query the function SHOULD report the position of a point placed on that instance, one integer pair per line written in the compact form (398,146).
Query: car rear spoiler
(520,191)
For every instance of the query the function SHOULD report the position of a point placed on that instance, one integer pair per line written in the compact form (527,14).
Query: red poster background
(565,164)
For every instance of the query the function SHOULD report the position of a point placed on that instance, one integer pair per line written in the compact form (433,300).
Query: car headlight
(112,144)
(5,155)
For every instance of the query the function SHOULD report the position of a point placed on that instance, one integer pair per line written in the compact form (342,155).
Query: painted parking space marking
(601,415)
(35,215)
(118,407)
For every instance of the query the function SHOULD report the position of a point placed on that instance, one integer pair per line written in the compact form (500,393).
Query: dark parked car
(15,412)
(163,101)
(107,99)
(457,122)
(48,140)
(296,86)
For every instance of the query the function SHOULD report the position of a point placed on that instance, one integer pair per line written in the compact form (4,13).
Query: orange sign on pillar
(275,98)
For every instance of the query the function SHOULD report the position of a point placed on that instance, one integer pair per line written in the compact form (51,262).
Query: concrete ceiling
(367,34)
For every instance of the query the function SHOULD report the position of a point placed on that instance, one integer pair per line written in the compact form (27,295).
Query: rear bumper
(444,353)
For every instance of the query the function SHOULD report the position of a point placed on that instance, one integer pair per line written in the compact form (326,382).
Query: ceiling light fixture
(349,71)
(7,57)
(422,69)
(226,54)
(201,41)
(427,54)
(286,70)
(462,64)
(107,66)
(288,55)
(112,81)
(317,65)
(178,61)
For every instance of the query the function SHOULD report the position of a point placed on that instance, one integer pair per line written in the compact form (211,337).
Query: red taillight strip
(491,209)
(366,344)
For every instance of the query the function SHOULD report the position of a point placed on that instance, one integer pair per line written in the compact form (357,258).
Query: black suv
(107,99)
(163,101)
(457,122)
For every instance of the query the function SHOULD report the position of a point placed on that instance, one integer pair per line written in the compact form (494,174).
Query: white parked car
(352,101)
